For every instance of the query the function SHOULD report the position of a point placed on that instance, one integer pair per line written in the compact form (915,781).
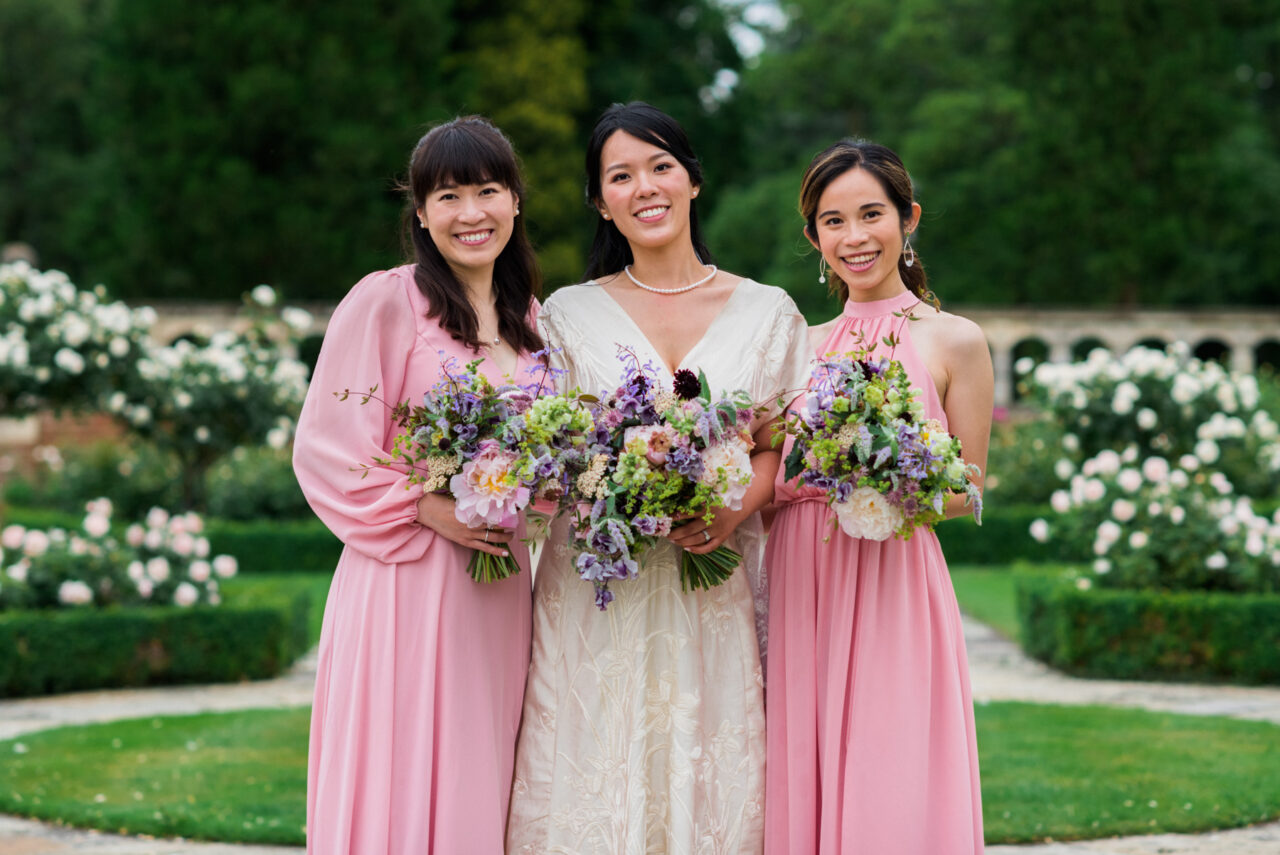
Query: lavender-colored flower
(687,461)
(646,525)
(610,537)
(603,597)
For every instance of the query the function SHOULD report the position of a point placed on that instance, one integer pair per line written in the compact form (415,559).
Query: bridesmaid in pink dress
(421,670)
(870,728)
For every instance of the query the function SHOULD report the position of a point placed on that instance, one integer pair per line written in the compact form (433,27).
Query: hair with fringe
(887,168)
(471,150)
(610,251)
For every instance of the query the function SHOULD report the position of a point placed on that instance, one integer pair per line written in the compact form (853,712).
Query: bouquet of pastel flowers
(659,457)
(860,435)
(494,449)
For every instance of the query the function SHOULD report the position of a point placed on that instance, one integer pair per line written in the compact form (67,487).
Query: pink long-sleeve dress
(870,727)
(421,670)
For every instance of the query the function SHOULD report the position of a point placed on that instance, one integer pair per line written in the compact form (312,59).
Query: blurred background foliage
(1066,151)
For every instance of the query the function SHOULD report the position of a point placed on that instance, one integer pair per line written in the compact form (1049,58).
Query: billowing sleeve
(369,341)
(787,357)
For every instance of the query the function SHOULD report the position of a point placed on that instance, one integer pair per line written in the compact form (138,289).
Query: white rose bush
(1166,403)
(162,561)
(1148,523)
(62,347)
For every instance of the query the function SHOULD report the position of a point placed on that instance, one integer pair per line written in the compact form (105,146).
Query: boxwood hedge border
(49,651)
(1150,635)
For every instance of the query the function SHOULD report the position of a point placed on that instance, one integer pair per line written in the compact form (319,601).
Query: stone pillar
(1242,356)
(1002,363)
(1059,350)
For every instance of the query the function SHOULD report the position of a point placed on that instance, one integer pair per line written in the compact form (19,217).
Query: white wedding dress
(643,727)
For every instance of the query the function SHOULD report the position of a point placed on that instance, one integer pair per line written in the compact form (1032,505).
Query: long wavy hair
(887,168)
(471,150)
(610,251)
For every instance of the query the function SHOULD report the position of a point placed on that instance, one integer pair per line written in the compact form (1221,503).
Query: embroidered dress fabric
(644,724)
(421,670)
(871,741)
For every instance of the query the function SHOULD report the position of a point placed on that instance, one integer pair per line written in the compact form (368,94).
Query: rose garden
(1131,532)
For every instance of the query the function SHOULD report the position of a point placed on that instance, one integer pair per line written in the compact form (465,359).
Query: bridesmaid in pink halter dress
(421,670)
(870,727)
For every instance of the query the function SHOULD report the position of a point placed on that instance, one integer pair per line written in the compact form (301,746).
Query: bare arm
(969,399)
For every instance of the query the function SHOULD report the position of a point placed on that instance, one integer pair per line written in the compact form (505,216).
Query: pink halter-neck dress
(871,748)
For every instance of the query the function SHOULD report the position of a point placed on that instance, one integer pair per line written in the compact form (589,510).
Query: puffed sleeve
(787,356)
(551,324)
(369,341)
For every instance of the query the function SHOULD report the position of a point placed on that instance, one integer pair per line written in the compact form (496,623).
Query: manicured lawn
(1047,772)
(987,593)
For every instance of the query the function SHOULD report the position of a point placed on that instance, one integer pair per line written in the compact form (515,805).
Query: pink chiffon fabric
(870,727)
(421,670)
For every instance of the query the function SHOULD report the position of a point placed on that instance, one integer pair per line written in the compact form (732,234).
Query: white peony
(731,462)
(158,569)
(1123,510)
(74,593)
(225,566)
(185,595)
(1130,480)
(868,515)
(1060,501)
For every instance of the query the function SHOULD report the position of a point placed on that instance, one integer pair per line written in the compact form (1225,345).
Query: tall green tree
(254,141)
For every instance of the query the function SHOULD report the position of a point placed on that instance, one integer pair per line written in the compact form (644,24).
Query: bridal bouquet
(494,449)
(860,435)
(660,457)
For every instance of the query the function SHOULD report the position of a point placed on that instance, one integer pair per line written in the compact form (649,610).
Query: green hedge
(43,652)
(262,546)
(1003,538)
(276,546)
(1150,635)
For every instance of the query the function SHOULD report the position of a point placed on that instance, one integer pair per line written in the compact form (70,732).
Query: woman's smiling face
(470,223)
(644,190)
(860,235)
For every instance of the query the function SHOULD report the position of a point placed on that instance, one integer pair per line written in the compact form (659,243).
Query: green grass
(987,593)
(1081,772)
(232,776)
(258,586)
(1047,772)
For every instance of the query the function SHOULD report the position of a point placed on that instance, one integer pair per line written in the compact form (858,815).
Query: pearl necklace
(639,284)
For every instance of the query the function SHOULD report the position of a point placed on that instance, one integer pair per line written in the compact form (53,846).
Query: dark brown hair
(610,251)
(887,168)
(470,150)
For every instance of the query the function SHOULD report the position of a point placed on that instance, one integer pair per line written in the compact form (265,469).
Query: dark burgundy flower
(687,385)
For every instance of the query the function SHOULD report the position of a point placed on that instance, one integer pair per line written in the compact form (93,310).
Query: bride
(643,727)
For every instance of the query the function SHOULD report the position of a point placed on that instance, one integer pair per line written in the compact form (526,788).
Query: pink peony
(653,441)
(484,491)
(731,461)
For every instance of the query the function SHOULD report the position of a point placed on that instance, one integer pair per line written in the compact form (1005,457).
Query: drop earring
(822,271)
(908,254)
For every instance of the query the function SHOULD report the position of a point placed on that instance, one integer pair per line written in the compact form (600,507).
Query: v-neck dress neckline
(722,313)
